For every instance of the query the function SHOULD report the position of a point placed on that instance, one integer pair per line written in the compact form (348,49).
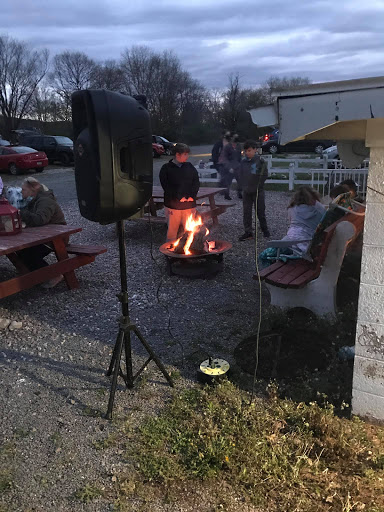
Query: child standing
(180,182)
(252,175)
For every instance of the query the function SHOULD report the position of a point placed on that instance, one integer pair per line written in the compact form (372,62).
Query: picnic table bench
(55,235)
(205,201)
(312,284)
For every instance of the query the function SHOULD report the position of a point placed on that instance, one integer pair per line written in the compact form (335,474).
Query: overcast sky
(320,39)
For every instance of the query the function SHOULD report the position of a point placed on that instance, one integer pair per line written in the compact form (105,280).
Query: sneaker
(246,236)
(267,234)
(52,282)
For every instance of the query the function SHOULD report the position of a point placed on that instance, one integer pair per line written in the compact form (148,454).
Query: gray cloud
(319,39)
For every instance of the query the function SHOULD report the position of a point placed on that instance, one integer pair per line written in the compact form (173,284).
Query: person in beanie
(41,209)
(180,182)
(252,175)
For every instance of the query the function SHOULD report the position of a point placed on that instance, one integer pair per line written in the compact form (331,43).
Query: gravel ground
(53,367)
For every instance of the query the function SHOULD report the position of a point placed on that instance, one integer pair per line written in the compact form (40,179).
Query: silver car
(332,153)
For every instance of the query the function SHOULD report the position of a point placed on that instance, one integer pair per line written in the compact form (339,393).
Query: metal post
(123,340)
(291,183)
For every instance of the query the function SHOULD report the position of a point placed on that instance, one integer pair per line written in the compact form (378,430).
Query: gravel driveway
(53,367)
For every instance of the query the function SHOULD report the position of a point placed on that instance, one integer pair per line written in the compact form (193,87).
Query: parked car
(16,159)
(56,147)
(270,144)
(168,146)
(332,153)
(4,142)
(158,150)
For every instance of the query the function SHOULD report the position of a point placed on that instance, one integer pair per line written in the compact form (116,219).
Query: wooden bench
(89,250)
(312,284)
(69,257)
(205,199)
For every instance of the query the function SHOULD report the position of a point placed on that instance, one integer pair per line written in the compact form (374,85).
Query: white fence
(323,176)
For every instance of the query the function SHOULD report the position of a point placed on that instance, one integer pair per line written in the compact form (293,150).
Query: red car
(16,159)
(157,149)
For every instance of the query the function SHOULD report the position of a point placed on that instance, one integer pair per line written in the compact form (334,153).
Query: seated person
(41,209)
(352,188)
(340,196)
(304,214)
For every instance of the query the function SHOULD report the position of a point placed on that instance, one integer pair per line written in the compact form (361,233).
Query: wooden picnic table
(57,237)
(211,210)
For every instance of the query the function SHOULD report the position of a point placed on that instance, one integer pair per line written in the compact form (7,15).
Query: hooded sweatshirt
(42,210)
(252,174)
(178,181)
(303,220)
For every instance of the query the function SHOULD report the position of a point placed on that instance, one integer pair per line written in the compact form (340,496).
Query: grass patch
(6,480)
(88,493)
(275,453)
(7,456)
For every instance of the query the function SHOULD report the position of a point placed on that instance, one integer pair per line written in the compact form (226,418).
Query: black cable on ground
(163,304)
(260,309)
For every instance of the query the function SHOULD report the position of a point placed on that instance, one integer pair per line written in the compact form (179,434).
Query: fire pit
(193,255)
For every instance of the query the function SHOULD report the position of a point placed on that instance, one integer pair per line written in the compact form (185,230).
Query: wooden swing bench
(312,284)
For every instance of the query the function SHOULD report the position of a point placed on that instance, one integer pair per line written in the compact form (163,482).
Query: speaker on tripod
(114,175)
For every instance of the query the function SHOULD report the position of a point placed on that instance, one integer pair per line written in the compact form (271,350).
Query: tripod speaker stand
(123,340)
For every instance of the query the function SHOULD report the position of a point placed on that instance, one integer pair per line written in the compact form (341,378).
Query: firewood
(198,245)
(180,247)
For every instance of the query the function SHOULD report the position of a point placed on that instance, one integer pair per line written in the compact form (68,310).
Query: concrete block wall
(368,375)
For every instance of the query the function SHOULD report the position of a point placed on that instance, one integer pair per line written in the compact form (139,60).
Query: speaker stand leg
(123,340)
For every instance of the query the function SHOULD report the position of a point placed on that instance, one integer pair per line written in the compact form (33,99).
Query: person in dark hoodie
(231,165)
(217,150)
(180,182)
(252,174)
(41,209)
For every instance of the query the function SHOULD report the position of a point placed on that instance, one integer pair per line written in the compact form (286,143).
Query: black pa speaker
(113,154)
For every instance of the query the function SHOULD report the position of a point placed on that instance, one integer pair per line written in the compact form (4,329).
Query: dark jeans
(33,257)
(239,187)
(226,179)
(249,202)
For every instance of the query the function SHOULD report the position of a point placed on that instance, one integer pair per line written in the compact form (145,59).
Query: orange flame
(192,225)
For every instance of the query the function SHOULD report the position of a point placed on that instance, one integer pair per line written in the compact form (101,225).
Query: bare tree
(46,106)
(170,90)
(276,83)
(72,71)
(21,71)
(108,75)
(138,65)
(233,103)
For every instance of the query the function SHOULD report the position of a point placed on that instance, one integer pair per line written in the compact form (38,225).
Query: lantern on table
(10,220)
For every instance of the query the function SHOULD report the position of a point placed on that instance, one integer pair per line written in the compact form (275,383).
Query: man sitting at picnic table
(180,182)
(41,209)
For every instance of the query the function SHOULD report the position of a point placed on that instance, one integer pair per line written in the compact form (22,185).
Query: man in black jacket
(180,182)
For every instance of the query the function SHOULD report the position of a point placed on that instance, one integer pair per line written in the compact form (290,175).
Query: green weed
(88,493)
(6,480)
(274,451)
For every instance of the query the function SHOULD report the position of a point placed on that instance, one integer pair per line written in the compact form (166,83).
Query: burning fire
(192,226)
